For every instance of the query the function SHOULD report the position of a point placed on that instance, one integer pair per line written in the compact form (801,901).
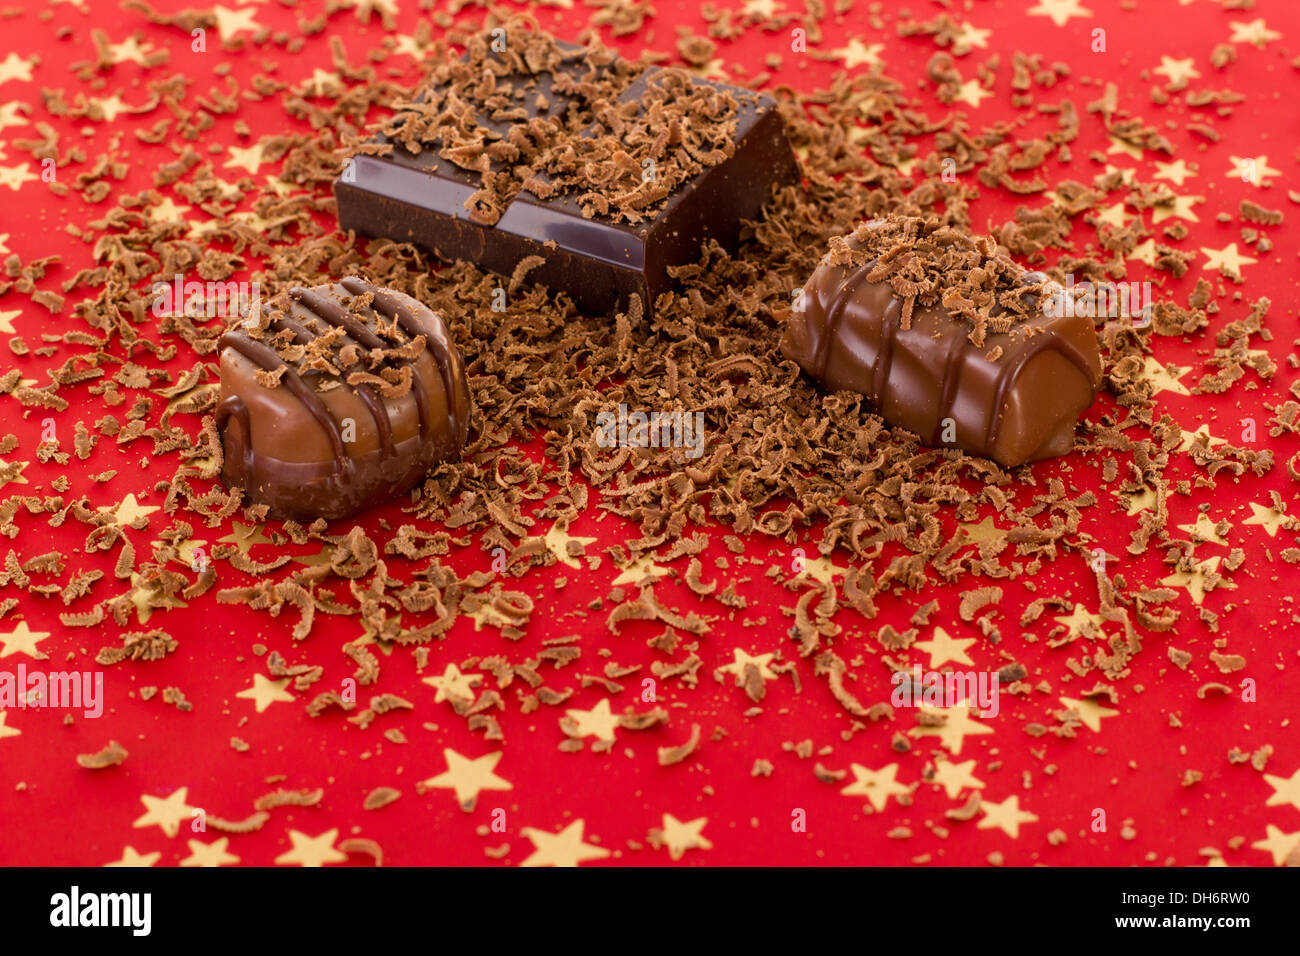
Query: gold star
(557,541)
(112,107)
(953,730)
(250,158)
(1083,624)
(205,854)
(1144,251)
(1177,71)
(165,813)
(1269,519)
(1090,712)
(1189,438)
(598,722)
(244,536)
(561,849)
(953,776)
(185,551)
(971,92)
(259,224)
(1118,145)
(1285,790)
(453,684)
(410,46)
(1059,10)
(7,731)
(15,177)
(680,837)
(986,530)
(1226,259)
(1204,529)
(1180,207)
(1144,499)
(822,569)
(943,648)
(324,82)
(23,640)
(1176,172)
(265,692)
(167,211)
(10,115)
(230,22)
(760,661)
(4,237)
(970,37)
(1194,581)
(128,510)
(312,851)
(468,778)
(1278,844)
(1006,815)
(1164,378)
(1255,32)
(1252,169)
(857,53)
(640,569)
(876,785)
(131,858)
(759,8)
(1113,215)
(14,67)
(129,49)
(16,477)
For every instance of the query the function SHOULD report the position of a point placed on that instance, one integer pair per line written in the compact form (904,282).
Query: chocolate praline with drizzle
(336,398)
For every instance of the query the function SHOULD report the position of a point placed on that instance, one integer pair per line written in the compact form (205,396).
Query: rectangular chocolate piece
(503,166)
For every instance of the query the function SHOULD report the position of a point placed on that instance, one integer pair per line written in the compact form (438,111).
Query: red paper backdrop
(54,812)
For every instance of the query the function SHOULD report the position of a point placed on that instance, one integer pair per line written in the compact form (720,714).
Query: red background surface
(54,812)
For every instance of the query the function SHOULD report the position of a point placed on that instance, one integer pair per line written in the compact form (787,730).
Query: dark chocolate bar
(337,398)
(607,171)
(974,363)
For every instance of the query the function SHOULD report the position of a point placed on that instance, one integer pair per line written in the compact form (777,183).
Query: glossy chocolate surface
(1020,406)
(315,446)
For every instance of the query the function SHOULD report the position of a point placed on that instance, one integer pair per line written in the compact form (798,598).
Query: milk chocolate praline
(337,397)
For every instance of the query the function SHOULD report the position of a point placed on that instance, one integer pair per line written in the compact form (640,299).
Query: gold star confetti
(14,67)
(971,92)
(453,685)
(1256,32)
(1118,145)
(128,510)
(954,776)
(1090,712)
(876,785)
(1059,10)
(1190,438)
(557,542)
(598,722)
(4,237)
(759,8)
(130,50)
(1267,518)
(986,530)
(1194,581)
(1178,72)
(312,851)
(1278,844)
(167,211)
(15,477)
(165,813)
(15,177)
(468,778)
(943,648)
(244,536)
(1176,172)
(23,640)
(133,859)
(7,731)
(1083,624)
(1252,169)
(1286,790)
(1144,499)
(1113,216)
(640,569)
(1164,378)
(1144,251)
(822,569)
(957,724)
(112,107)
(1226,259)
(565,848)
(209,854)
(324,82)
(250,158)
(266,692)
(1204,529)
(231,22)
(857,53)
(1006,815)
(409,45)
(1181,207)
(760,661)
(970,37)
(680,837)
(10,114)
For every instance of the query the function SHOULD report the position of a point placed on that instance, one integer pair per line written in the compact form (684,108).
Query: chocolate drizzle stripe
(233,407)
(835,313)
(438,343)
(335,314)
(1046,342)
(266,358)
(301,334)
